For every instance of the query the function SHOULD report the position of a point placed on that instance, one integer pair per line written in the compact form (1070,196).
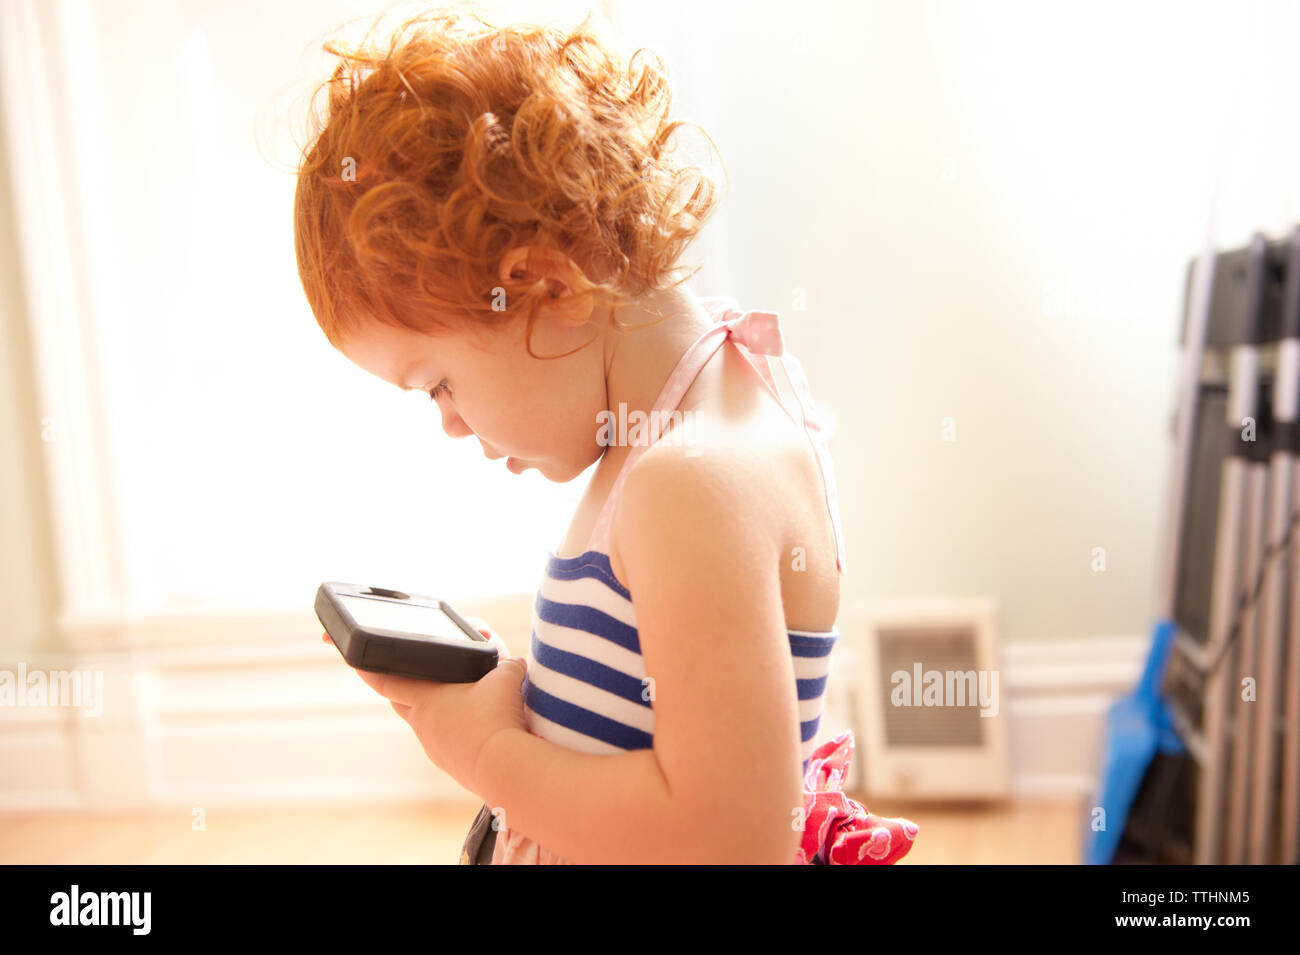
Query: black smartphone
(388,631)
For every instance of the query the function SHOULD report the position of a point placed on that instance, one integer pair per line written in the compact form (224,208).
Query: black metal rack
(1233,580)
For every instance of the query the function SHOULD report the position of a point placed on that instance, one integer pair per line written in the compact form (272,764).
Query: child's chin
(519,466)
(557,474)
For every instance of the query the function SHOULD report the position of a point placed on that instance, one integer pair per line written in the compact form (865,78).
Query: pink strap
(760,334)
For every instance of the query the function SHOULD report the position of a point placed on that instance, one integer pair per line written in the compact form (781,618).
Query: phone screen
(429,622)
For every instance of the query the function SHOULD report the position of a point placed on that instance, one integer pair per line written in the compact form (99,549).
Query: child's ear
(562,276)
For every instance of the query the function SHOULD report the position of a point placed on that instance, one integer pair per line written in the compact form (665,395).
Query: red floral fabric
(839,830)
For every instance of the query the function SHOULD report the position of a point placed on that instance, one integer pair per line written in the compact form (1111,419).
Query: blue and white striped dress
(586,686)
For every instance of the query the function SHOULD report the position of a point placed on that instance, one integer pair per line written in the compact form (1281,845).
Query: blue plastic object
(1137,725)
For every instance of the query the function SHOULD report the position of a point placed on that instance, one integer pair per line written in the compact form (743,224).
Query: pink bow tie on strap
(760,332)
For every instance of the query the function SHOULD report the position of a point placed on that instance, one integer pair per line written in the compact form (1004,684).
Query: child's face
(537,413)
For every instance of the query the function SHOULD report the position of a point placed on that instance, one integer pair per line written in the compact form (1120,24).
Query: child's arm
(722,783)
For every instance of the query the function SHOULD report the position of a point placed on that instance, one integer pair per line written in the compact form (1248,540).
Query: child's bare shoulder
(729,475)
(754,504)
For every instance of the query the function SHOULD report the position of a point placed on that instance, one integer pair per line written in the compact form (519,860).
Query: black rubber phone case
(402,654)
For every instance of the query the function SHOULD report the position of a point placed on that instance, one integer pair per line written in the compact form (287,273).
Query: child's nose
(454,425)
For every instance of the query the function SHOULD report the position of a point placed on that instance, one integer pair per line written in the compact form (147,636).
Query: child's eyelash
(437,390)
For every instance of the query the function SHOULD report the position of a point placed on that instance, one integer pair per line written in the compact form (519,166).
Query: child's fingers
(494,638)
(481,625)
(503,652)
(398,689)
(326,637)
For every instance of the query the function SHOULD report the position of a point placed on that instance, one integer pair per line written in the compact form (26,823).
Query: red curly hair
(461,140)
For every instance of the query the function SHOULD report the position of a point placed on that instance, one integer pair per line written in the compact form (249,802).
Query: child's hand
(453,721)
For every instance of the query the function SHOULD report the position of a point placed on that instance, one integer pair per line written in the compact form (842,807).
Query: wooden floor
(420,835)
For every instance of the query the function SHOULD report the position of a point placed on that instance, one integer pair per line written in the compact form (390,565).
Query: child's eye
(438,389)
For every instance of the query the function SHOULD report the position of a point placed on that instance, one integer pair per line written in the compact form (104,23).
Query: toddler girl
(493,215)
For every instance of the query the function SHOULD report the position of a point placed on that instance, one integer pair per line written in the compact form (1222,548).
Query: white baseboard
(1056,692)
(284,722)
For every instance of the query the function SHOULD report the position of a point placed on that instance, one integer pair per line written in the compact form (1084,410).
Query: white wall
(986,208)
(989,208)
